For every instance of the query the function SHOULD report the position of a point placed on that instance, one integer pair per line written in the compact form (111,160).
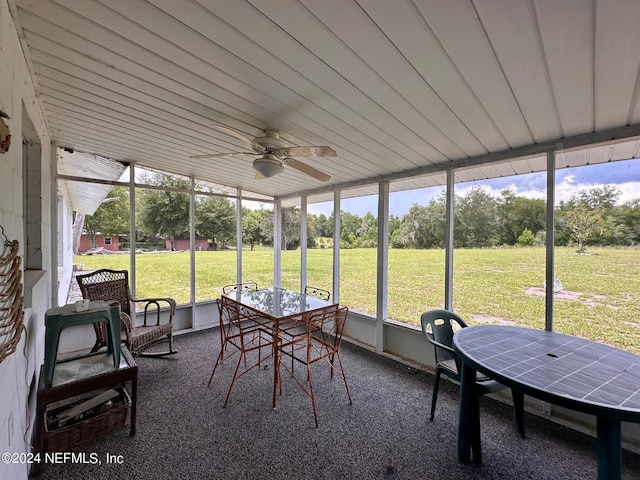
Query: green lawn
(600,300)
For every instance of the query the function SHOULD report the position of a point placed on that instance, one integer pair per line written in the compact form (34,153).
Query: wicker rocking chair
(113,285)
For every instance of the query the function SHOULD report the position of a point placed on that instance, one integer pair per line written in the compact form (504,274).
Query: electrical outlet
(546,408)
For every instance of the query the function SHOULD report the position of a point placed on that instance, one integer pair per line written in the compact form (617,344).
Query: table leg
(51,341)
(609,449)
(134,404)
(113,325)
(276,361)
(468,418)
(518,411)
(36,468)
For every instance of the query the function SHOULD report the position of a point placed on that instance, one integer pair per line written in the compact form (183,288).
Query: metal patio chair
(299,340)
(243,334)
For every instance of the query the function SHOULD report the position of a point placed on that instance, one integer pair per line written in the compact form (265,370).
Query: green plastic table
(572,372)
(59,318)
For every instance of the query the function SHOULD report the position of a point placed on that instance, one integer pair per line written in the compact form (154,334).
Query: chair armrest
(443,346)
(125,326)
(157,301)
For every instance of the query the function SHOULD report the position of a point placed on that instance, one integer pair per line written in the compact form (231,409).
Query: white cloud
(567,188)
(630,191)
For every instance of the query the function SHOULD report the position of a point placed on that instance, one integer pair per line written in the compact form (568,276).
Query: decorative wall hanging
(5,133)
(11,298)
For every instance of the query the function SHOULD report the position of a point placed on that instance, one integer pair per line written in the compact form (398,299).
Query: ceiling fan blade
(229,131)
(216,155)
(310,151)
(304,168)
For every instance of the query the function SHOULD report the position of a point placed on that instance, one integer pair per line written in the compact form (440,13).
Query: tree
(260,226)
(311,230)
(476,219)
(527,238)
(584,223)
(216,219)
(589,217)
(604,197)
(324,226)
(367,232)
(290,227)
(423,226)
(164,213)
(252,230)
(395,224)
(76,230)
(628,215)
(515,214)
(111,217)
(416,230)
(349,225)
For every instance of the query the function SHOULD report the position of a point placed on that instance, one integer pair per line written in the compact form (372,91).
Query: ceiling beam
(589,140)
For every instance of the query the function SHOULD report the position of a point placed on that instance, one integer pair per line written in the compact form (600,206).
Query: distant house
(112,242)
(202,244)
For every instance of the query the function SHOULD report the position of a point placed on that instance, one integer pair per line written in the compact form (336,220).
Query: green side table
(59,318)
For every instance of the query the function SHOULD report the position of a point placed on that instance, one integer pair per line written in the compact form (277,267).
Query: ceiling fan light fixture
(268,166)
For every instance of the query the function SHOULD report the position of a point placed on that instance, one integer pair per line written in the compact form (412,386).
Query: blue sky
(624,174)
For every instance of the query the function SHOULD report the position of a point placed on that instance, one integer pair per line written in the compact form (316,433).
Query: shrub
(526,238)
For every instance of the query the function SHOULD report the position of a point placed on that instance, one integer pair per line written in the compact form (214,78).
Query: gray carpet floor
(184,432)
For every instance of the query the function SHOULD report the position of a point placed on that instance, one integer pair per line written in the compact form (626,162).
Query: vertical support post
(383,265)
(303,242)
(238,235)
(448,241)
(336,246)
(550,265)
(55,225)
(277,243)
(132,227)
(192,248)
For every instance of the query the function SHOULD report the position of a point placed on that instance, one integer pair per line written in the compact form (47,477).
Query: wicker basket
(64,438)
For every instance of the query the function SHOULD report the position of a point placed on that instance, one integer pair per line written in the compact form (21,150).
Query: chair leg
(434,396)
(222,342)
(233,380)
(344,377)
(518,411)
(218,360)
(140,352)
(313,400)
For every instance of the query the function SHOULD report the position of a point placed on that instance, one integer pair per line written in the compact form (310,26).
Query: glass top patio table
(279,305)
(575,373)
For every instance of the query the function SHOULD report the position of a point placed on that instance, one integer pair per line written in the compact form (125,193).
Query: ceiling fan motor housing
(271,141)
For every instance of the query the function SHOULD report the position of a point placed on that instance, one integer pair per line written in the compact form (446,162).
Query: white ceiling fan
(274,154)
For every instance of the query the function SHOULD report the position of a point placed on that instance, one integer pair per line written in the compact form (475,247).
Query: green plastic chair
(438,327)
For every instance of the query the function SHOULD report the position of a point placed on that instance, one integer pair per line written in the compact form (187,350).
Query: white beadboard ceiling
(401,89)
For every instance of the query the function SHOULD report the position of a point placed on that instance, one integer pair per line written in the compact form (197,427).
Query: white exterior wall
(65,247)
(18,371)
